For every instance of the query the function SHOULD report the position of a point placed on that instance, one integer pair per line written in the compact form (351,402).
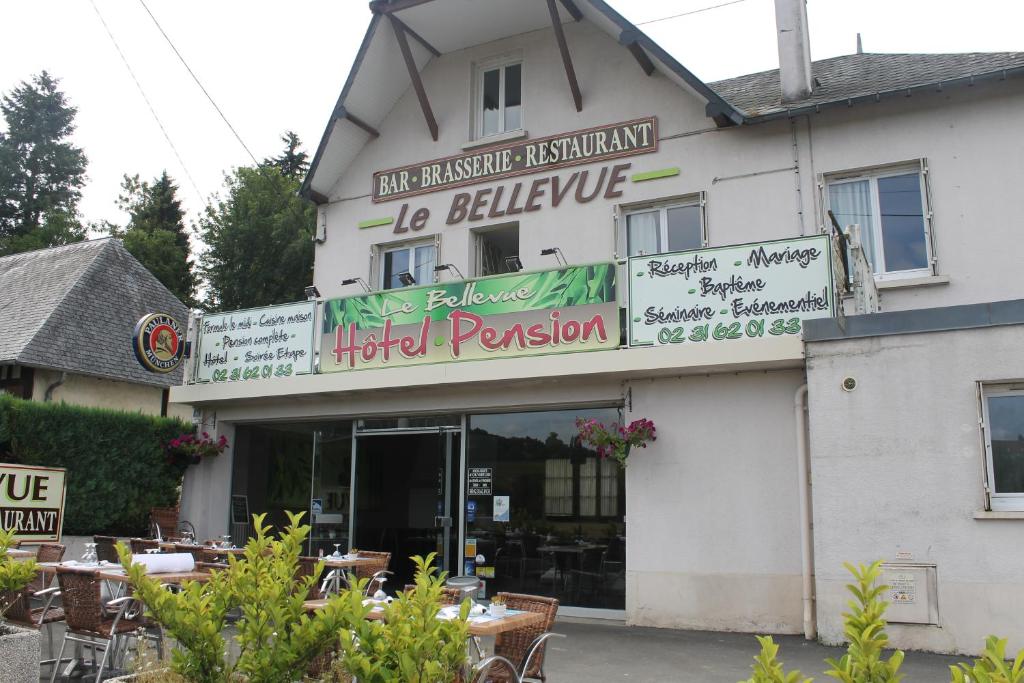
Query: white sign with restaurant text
(260,343)
(747,291)
(32,502)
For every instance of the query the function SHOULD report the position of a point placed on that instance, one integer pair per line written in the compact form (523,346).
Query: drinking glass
(337,550)
(90,556)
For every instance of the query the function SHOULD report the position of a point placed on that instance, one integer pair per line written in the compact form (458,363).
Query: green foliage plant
(410,644)
(276,637)
(865,629)
(102,451)
(767,667)
(15,575)
(992,667)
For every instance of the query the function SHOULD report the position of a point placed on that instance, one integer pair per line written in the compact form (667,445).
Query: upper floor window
(890,206)
(1003,408)
(499,97)
(417,260)
(670,227)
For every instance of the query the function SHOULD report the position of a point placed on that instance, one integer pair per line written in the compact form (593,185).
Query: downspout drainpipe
(48,396)
(803,452)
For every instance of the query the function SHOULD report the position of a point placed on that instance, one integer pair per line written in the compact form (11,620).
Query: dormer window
(499,97)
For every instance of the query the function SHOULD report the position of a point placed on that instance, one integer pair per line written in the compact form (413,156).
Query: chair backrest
(141,545)
(80,597)
(16,606)
(307,567)
(513,645)
(196,551)
(449,596)
(366,571)
(105,550)
(166,519)
(50,552)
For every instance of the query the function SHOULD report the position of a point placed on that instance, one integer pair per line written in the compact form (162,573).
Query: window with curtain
(558,488)
(889,206)
(673,227)
(599,488)
(500,89)
(416,259)
(1004,444)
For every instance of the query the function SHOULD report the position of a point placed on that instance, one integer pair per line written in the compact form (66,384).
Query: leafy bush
(117,468)
(15,575)
(993,666)
(410,645)
(768,669)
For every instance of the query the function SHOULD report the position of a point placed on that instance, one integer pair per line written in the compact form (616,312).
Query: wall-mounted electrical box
(913,593)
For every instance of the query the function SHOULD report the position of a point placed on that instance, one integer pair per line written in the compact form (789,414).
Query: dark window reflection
(899,198)
(1006,415)
(565,532)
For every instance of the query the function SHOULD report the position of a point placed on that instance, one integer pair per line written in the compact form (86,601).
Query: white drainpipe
(803,453)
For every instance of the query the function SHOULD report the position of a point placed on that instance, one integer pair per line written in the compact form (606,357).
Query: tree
(41,172)
(156,233)
(293,162)
(259,238)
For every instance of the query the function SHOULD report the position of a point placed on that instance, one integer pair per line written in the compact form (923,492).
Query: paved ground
(603,652)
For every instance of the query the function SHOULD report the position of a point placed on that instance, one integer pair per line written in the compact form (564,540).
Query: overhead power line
(196,79)
(152,110)
(685,14)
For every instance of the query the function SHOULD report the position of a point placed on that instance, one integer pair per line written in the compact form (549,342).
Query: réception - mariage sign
(555,311)
(259,343)
(740,292)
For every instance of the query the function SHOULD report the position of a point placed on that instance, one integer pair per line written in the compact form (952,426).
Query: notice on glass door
(479,481)
(501,509)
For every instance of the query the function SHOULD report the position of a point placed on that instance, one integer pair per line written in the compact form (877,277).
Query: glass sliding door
(546,514)
(331,480)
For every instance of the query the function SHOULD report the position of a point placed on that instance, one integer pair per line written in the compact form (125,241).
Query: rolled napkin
(166,563)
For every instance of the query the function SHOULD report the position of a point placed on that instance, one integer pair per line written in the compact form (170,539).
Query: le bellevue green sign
(521,314)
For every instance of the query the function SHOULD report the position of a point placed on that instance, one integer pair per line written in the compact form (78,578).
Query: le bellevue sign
(519,158)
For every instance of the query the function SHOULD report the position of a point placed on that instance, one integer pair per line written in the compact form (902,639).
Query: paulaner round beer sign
(157,342)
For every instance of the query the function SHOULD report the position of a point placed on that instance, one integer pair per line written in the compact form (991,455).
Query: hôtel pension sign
(32,502)
(521,314)
(518,158)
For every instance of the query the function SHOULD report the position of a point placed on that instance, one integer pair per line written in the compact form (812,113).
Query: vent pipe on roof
(794,49)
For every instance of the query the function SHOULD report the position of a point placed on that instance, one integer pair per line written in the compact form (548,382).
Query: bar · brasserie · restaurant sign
(32,502)
(521,314)
(518,158)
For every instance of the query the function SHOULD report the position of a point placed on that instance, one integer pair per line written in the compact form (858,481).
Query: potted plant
(613,440)
(189,449)
(19,647)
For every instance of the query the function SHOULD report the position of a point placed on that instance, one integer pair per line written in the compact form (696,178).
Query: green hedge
(117,469)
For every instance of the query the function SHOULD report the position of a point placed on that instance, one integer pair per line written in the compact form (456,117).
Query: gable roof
(74,308)
(379,76)
(867,76)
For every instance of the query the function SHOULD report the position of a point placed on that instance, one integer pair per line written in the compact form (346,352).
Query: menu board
(748,291)
(259,343)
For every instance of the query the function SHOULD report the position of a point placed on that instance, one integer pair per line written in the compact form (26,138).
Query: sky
(276,65)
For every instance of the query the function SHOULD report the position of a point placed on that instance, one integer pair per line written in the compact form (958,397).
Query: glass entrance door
(406,496)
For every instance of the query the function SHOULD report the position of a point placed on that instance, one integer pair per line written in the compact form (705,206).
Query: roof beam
(385,7)
(573,10)
(632,42)
(563,47)
(419,39)
(414,74)
(343,113)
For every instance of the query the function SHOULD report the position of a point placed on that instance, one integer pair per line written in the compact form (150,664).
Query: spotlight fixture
(449,267)
(356,281)
(406,278)
(312,293)
(513,264)
(557,253)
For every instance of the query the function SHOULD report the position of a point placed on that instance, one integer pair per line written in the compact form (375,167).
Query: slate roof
(74,308)
(864,75)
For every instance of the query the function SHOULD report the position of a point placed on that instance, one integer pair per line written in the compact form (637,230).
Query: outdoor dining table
(169,578)
(479,625)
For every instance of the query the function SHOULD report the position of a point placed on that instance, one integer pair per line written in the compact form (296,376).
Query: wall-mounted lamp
(406,279)
(356,281)
(559,256)
(311,293)
(449,267)
(513,264)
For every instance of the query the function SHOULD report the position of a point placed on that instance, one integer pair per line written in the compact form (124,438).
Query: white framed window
(891,207)
(1003,425)
(676,226)
(417,258)
(499,96)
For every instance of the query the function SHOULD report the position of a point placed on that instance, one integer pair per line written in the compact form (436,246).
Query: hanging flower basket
(615,441)
(189,449)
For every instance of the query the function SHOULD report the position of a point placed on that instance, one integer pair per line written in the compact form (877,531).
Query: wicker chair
(519,646)
(164,522)
(373,571)
(449,596)
(21,613)
(307,566)
(141,545)
(105,549)
(89,620)
(50,552)
(196,551)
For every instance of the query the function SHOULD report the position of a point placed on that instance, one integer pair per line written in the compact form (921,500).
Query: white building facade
(888,435)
